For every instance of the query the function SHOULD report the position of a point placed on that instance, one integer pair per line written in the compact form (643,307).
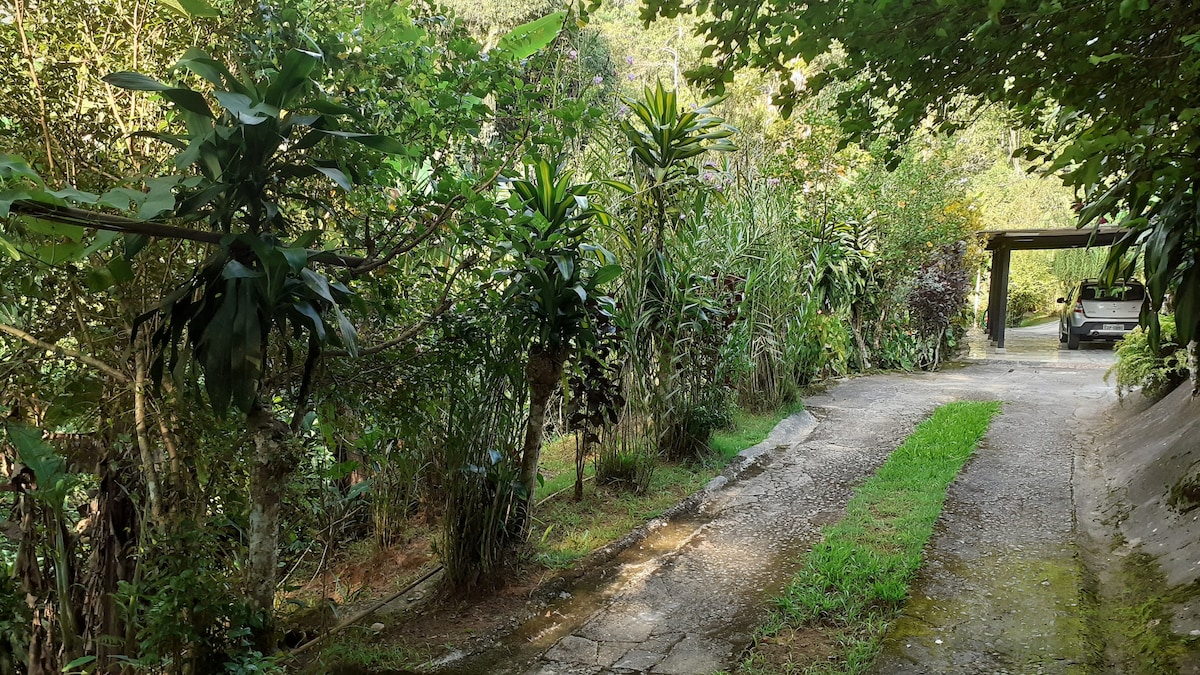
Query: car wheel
(1072,341)
(1062,337)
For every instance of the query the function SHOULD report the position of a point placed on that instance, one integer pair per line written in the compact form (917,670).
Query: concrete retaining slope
(1152,464)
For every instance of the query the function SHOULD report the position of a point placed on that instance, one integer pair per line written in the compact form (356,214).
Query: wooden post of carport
(998,296)
(1003,242)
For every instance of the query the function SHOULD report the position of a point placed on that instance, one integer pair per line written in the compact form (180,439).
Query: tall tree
(553,285)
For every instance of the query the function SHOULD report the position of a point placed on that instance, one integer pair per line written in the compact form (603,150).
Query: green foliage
(667,136)
(1072,266)
(478,430)
(1035,281)
(559,271)
(245,157)
(528,39)
(46,480)
(856,579)
(629,468)
(14,624)
(662,141)
(596,393)
(490,18)
(1156,368)
(670,309)
(185,609)
(69,124)
(361,651)
(1107,90)
(396,473)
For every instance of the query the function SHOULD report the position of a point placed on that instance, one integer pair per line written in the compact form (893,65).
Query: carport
(1003,242)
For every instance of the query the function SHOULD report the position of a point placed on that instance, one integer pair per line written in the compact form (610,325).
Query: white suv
(1095,311)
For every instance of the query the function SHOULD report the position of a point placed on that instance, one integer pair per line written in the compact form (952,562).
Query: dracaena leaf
(134,81)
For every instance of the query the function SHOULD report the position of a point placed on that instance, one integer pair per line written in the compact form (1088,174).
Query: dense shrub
(937,299)
(1023,301)
(1156,372)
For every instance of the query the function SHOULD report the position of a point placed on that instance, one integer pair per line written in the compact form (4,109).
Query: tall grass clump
(395,469)
(803,286)
(854,583)
(478,431)
(752,243)
(670,305)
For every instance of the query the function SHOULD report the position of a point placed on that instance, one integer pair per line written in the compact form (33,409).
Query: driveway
(1039,345)
(1001,589)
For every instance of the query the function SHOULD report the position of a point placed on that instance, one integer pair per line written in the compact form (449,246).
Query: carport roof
(1028,240)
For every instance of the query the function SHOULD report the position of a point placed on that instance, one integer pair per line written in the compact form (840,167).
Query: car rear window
(1117,292)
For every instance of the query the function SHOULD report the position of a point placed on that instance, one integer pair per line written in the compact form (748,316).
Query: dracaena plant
(240,166)
(243,159)
(555,282)
(663,142)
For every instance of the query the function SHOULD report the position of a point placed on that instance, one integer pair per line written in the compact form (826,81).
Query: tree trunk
(113,531)
(543,371)
(581,453)
(268,478)
(856,325)
(43,656)
(149,465)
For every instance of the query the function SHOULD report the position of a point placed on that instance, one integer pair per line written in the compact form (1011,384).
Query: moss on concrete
(1035,615)
(1131,615)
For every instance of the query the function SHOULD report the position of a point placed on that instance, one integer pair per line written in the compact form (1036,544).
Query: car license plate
(1114,326)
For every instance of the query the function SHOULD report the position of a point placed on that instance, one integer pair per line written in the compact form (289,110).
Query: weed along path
(1000,590)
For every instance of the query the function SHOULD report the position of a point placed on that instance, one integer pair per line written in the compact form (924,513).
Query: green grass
(558,467)
(749,429)
(361,650)
(854,583)
(1037,320)
(568,530)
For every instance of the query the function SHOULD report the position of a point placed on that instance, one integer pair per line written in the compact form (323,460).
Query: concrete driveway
(1003,584)
(1039,345)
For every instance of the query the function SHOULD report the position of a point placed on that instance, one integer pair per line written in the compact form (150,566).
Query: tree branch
(435,223)
(63,351)
(445,302)
(103,221)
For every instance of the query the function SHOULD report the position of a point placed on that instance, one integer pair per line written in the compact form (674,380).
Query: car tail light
(1079,307)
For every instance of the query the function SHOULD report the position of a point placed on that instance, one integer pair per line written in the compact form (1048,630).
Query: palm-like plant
(555,274)
(243,161)
(839,272)
(664,141)
(664,304)
(239,164)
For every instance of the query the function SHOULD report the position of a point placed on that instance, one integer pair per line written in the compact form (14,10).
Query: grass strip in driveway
(834,613)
